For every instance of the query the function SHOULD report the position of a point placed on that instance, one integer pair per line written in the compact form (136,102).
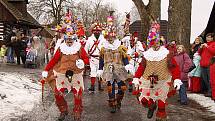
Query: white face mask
(70,41)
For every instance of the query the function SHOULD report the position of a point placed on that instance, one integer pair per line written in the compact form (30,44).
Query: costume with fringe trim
(67,58)
(156,73)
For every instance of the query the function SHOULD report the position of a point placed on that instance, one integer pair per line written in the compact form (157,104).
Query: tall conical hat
(154,34)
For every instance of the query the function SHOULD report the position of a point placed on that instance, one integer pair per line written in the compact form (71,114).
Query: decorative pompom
(80,63)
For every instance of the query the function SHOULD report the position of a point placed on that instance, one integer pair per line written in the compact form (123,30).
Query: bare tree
(51,10)
(85,10)
(91,10)
(147,13)
(179,22)
(97,4)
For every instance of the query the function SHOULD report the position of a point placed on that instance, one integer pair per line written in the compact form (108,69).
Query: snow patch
(21,95)
(203,101)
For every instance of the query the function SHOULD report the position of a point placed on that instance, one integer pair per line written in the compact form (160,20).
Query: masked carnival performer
(93,47)
(135,53)
(126,41)
(155,75)
(127,38)
(65,72)
(112,67)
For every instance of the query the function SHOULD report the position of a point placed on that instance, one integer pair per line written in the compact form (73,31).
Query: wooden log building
(13,14)
(136,27)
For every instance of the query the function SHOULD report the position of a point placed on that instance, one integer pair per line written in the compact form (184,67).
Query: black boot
(112,105)
(92,88)
(62,116)
(151,110)
(113,109)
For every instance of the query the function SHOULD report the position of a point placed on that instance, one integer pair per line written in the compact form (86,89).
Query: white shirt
(90,43)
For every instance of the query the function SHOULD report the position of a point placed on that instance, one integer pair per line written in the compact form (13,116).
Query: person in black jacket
(19,47)
(10,49)
(195,46)
(23,47)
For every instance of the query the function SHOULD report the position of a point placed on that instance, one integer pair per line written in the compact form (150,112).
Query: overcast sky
(200,12)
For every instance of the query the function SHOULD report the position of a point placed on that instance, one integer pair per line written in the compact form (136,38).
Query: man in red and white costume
(93,47)
(69,58)
(154,77)
(135,52)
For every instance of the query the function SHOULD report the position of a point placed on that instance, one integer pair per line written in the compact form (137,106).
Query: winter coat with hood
(197,71)
(184,62)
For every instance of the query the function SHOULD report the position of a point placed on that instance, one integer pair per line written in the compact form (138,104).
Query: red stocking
(161,113)
(78,107)
(60,101)
(93,80)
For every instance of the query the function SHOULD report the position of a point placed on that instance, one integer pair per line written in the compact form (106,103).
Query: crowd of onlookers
(16,50)
(197,66)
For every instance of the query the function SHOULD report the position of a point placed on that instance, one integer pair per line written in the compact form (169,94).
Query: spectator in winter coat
(195,46)
(10,49)
(195,74)
(19,48)
(3,50)
(23,46)
(207,51)
(184,62)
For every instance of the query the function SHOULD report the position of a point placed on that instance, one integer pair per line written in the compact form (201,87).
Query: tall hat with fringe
(154,34)
(80,29)
(110,30)
(70,26)
(96,26)
(127,23)
(66,26)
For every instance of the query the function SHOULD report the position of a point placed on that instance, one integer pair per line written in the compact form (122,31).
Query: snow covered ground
(203,101)
(18,94)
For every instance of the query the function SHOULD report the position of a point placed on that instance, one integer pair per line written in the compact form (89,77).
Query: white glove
(80,63)
(136,82)
(99,73)
(177,84)
(129,68)
(45,74)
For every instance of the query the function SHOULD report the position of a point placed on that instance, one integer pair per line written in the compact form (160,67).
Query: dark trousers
(21,55)
(115,98)
(10,57)
(205,74)
(183,93)
(112,93)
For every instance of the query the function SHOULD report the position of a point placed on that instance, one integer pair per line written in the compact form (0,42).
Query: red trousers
(60,101)
(161,112)
(62,104)
(212,80)
(195,84)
